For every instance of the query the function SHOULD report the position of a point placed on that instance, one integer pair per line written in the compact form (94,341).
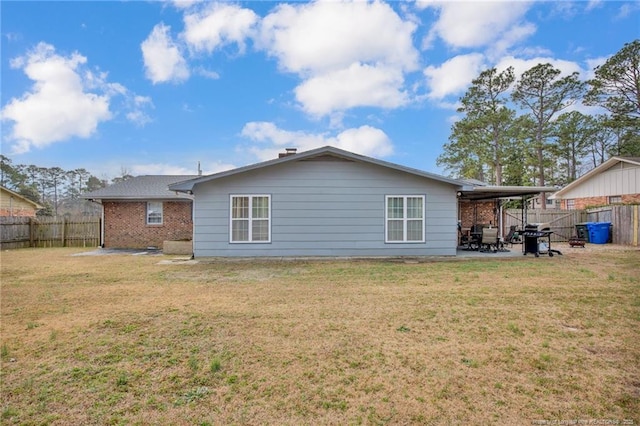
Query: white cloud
(594,4)
(326,36)
(592,64)
(206,73)
(357,85)
(453,76)
(218,25)
(137,113)
(522,65)
(364,140)
(348,54)
(162,58)
(468,24)
(58,106)
(184,4)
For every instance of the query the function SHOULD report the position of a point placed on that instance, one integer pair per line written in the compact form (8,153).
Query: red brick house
(616,181)
(141,212)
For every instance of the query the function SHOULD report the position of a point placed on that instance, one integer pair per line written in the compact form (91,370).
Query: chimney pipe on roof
(288,152)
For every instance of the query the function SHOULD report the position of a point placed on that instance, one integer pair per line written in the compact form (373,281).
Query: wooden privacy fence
(21,232)
(625,222)
(562,222)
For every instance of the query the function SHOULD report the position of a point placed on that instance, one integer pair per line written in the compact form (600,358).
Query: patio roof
(488,192)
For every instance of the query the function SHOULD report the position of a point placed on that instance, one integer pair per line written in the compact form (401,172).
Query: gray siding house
(323,202)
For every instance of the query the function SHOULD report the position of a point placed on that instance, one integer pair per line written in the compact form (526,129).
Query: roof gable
(148,187)
(611,162)
(13,194)
(324,154)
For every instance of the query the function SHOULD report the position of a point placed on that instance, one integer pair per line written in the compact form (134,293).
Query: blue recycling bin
(599,232)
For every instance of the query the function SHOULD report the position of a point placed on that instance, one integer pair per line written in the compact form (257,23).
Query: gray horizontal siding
(319,208)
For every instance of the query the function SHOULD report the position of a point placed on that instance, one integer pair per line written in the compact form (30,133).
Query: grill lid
(542,226)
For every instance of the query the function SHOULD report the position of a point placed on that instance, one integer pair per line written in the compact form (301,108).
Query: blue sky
(156,87)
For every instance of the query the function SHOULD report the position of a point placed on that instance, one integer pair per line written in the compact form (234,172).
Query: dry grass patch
(128,340)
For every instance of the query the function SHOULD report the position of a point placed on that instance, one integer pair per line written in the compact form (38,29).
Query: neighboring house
(326,202)
(616,181)
(141,212)
(535,203)
(14,204)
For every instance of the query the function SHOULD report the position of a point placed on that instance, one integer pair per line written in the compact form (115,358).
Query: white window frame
(404,219)
(150,210)
(570,204)
(615,199)
(250,219)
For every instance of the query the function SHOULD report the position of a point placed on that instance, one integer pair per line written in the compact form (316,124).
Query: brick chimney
(287,152)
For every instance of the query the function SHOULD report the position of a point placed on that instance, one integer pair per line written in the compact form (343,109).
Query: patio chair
(489,240)
(513,237)
(464,240)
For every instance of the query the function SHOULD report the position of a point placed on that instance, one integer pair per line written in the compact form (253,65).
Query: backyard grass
(125,339)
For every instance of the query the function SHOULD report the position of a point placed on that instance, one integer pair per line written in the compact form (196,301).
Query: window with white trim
(615,199)
(571,204)
(154,213)
(250,219)
(404,219)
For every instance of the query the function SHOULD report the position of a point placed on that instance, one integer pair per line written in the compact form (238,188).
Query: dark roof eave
(139,198)
(498,192)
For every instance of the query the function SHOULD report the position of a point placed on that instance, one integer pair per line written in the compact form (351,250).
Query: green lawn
(124,339)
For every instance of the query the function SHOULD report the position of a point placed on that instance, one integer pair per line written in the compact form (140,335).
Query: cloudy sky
(156,87)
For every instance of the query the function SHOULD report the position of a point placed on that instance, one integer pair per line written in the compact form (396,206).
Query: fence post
(64,231)
(635,225)
(32,226)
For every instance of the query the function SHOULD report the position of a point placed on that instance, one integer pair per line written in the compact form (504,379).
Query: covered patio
(481,228)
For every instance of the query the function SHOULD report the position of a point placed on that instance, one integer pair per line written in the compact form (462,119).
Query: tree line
(524,132)
(56,189)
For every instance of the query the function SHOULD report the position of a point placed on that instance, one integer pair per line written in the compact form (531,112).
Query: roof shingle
(141,187)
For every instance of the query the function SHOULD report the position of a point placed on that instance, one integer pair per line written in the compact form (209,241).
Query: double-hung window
(154,213)
(250,219)
(404,219)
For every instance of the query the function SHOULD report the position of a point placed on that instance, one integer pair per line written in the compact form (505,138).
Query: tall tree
(483,135)
(616,88)
(10,176)
(57,177)
(543,93)
(77,182)
(574,133)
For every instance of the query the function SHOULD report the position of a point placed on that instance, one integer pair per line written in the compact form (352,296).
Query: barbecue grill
(537,239)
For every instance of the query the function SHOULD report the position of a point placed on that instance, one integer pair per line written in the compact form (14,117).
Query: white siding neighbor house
(616,181)
(323,202)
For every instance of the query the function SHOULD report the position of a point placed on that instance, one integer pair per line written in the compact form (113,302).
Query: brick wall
(584,203)
(18,212)
(125,224)
(480,212)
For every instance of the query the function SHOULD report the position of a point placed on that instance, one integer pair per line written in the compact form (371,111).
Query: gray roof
(150,187)
(327,150)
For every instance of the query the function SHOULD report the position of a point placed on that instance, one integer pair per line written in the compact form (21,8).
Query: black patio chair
(513,237)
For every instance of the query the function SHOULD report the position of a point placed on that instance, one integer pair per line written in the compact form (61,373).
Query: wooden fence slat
(562,222)
(21,232)
(624,219)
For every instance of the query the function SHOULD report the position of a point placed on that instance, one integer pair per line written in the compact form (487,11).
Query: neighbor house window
(250,219)
(404,219)
(571,204)
(154,213)
(615,199)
